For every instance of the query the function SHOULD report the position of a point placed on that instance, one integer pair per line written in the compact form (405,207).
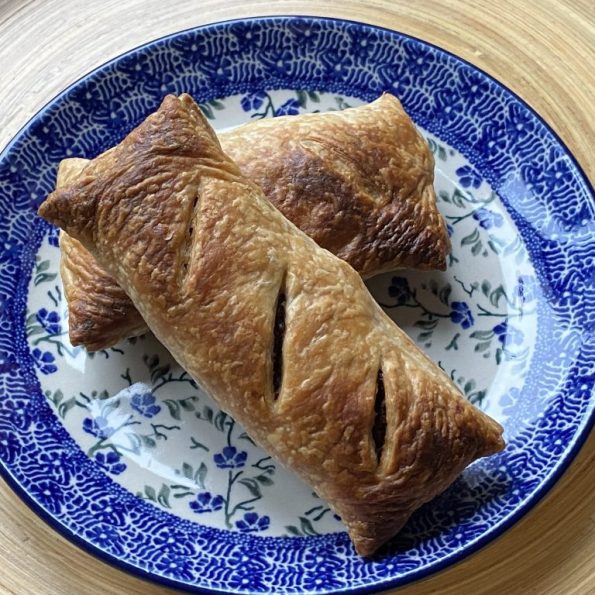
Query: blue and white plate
(122,453)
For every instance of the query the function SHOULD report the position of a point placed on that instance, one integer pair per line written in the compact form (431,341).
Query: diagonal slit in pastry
(379,427)
(278,338)
(219,325)
(359,182)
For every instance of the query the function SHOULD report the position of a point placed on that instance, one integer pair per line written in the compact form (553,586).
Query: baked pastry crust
(359,182)
(283,334)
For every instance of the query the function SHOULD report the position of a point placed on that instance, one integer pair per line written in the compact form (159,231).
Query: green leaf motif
(42,266)
(187,471)
(163,496)
(497,295)
(307,527)
(482,346)
(200,475)
(265,480)
(219,421)
(252,486)
(148,441)
(216,104)
(471,238)
(173,408)
(66,406)
(302,98)
(482,335)
(188,403)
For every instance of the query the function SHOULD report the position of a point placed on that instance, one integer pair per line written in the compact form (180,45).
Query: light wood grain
(543,50)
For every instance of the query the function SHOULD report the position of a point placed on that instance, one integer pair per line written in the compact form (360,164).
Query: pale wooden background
(542,49)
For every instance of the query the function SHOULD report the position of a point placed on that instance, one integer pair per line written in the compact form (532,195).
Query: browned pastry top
(280,332)
(359,182)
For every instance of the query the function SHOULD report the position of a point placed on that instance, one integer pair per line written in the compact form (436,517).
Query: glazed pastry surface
(281,333)
(359,182)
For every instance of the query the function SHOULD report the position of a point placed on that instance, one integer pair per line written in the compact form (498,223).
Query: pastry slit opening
(379,427)
(278,338)
(189,237)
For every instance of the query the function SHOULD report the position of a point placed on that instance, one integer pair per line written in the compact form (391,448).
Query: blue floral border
(545,192)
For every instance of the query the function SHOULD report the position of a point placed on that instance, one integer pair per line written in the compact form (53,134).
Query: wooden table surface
(544,50)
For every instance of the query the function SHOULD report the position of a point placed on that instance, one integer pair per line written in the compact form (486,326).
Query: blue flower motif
(556,441)
(337,64)
(44,360)
(253,101)
(110,462)
(109,510)
(98,426)
(252,560)
(317,581)
(57,466)
(399,290)
(469,177)
(49,494)
(50,321)
(488,219)
(528,288)
(279,62)
(230,458)
(559,174)
(246,33)
(519,123)
(475,86)
(449,230)
(205,502)
(18,412)
(461,314)
(290,108)
(53,237)
(308,33)
(9,248)
(9,447)
(246,579)
(8,363)
(105,537)
(144,403)
(175,566)
(493,140)
(318,559)
(175,541)
(448,105)
(252,522)
(362,44)
(508,335)
(419,59)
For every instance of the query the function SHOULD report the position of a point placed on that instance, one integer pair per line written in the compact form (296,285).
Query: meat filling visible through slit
(278,337)
(379,427)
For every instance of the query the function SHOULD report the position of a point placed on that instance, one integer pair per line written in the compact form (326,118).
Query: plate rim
(456,556)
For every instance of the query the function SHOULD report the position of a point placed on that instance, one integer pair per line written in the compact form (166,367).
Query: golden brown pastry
(359,182)
(283,334)
(99,310)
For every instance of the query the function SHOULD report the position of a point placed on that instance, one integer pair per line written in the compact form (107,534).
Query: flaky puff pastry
(358,182)
(282,334)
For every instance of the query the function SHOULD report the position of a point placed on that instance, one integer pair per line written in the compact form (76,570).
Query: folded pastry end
(281,333)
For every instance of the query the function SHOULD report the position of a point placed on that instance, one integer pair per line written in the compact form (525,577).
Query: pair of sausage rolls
(358,182)
(282,334)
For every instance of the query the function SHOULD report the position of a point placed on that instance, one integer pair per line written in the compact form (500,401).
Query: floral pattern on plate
(144,475)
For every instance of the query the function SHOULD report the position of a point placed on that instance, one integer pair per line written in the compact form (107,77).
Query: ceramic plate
(122,452)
